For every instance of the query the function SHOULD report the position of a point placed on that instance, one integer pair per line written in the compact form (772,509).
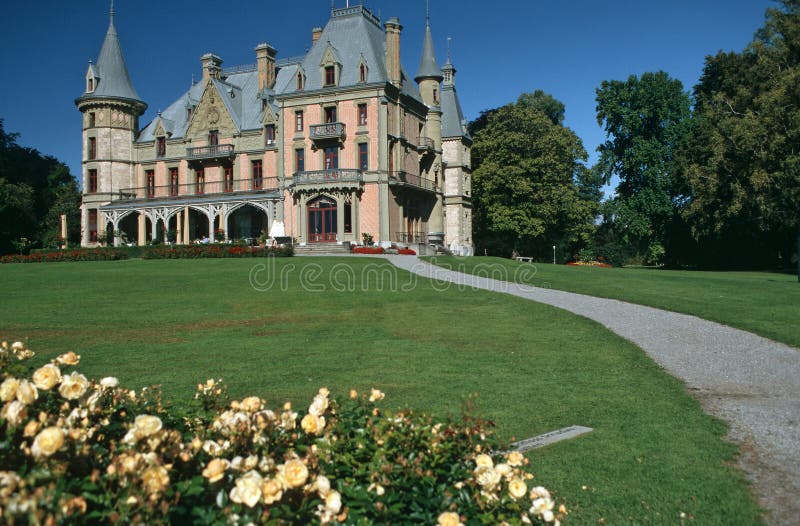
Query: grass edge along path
(653,455)
(759,302)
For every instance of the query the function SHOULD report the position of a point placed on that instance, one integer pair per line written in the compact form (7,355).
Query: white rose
(109,382)
(47,377)
(146,425)
(333,502)
(8,389)
(27,392)
(73,386)
(248,489)
(14,412)
(517,488)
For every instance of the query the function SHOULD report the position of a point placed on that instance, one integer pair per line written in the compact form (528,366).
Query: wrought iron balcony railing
(331,130)
(210,152)
(196,189)
(328,176)
(403,179)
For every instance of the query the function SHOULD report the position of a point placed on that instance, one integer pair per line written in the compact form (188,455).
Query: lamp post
(554,254)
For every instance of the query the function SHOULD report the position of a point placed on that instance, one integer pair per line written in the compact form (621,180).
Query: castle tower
(429,77)
(111,109)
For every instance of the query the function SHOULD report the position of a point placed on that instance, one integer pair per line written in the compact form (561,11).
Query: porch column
(355,206)
(302,230)
(340,218)
(153,226)
(178,228)
(142,241)
(84,226)
(186,233)
(117,233)
(211,221)
(223,223)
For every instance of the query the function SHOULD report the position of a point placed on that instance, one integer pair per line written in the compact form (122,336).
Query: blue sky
(499,49)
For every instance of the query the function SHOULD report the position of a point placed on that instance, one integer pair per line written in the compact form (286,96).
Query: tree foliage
(34,191)
(530,187)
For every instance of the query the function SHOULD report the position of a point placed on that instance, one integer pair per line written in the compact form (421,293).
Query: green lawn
(653,454)
(761,302)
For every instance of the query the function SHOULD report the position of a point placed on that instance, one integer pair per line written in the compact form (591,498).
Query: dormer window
(161,146)
(269,135)
(330,75)
(90,85)
(362,73)
(188,112)
(300,81)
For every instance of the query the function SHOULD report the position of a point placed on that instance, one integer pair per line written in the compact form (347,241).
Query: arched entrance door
(322,220)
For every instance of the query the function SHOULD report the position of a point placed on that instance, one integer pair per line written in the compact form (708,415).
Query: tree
(644,119)
(526,170)
(743,160)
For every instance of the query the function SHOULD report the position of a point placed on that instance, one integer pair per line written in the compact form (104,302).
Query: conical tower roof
(428,68)
(113,80)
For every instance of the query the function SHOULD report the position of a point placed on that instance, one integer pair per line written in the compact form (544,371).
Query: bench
(524,259)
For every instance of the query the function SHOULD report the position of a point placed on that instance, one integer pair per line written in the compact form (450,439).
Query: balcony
(197,189)
(407,179)
(426,144)
(216,151)
(342,177)
(331,130)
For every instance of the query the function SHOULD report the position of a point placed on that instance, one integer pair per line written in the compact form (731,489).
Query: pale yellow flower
(504,470)
(31,428)
(146,425)
(333,502)
(543,507)
(69,358)
(8,389)
(155,479)
(540,492)
(215,469)
(318,406)
(484,460)
(375,395)
(323,485)
(487,477)
(295,473)
(27,392)
(73,386)
(449,518)
(288,419)
(48,441)
(109,382)
(515,458)
(17,347)
(248,489)
(353,394)
(14,412)
(312,424)
(47,377)
(251,404)
(517,488)
(271,490)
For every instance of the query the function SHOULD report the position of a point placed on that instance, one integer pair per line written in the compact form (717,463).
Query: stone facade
(325,147)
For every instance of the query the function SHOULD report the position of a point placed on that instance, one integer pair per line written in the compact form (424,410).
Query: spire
(428,68)
(113,80)
(448,70)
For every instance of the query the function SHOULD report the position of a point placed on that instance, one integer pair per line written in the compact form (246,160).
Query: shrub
(82,451)
(368,250)
(214,251)
(81,254)
(406,252)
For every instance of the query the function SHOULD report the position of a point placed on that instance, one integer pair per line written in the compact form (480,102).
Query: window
(90,85)
(228,179)
(92,153)
(362,114)
(173,181)
(300,81)
(201,181)
(188,113)
(161,146)
(435,95)
(92,181)
(348,218)
(298,121)
(213,137)
(93,224)
(362,73)
(331,157)
(330,75)
(330,114)
(150,177)
(258,176)
(92,120)
(269,135)
(299,160)
(363,156)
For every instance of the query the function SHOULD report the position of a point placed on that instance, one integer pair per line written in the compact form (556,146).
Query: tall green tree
(526,173)
(743,159)
(644,118)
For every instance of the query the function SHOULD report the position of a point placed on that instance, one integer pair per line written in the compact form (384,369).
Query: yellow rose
(31,428)
(73,386)
(295,473)
(155,479)
(14,412)
(215,469)
(517,488)
(333,502)
(146,425)
(487,477)
(48,441)
(251,404)
(318,406)
(248,489)
(27,392)
(323,485)
(8,389)
(484,461)
(504,470)
(69,358)
(271,491)
(449,518)
(109,382)
(375,395)
(353,394)
(313,425)
(542,507)
(515,458)
(47,377)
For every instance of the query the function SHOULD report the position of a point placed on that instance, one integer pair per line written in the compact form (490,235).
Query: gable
(210,114)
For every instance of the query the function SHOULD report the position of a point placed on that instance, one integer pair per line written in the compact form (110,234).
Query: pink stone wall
(368,211)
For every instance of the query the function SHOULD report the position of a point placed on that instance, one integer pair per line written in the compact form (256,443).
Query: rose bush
(79,451)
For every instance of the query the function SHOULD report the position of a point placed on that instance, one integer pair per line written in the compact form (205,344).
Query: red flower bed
(368,250)
(213,251)
(84,254)
(588,264)
(406,252)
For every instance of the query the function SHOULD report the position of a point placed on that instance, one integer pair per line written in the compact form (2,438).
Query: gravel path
(750,382)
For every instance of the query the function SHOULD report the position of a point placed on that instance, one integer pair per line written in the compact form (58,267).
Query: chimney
(393,29)
(315,34)
(212,66)
(265,62)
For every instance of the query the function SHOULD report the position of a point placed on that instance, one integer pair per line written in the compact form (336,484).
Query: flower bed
(81,451)
(368,250)
(588,264)
(78,254)
(406,252)
(213,251)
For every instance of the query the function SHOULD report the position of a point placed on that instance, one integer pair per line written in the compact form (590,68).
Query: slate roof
(428,68)
(112,79)
(453,122)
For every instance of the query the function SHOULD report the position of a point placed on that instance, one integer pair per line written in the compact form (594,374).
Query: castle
(323,147)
